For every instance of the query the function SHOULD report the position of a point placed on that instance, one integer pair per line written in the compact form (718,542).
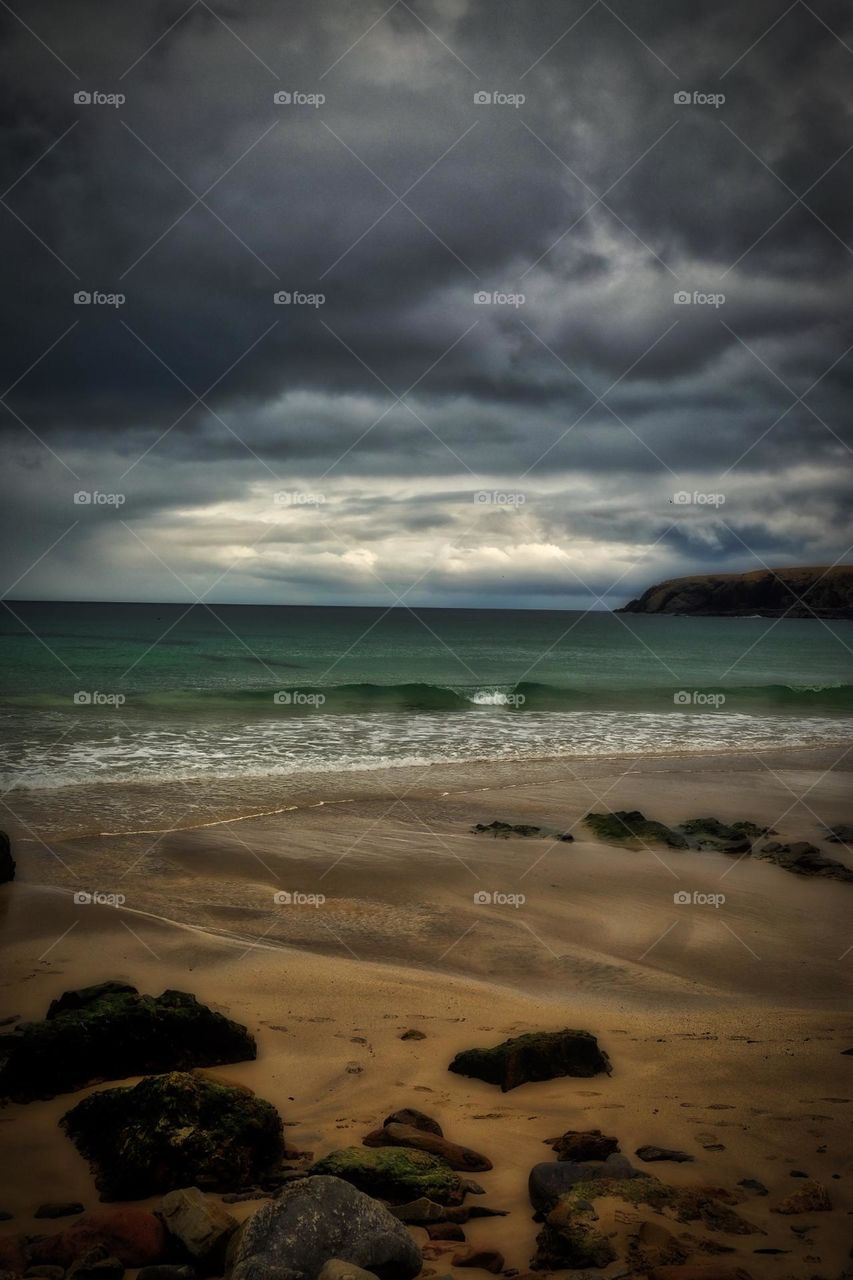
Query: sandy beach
(726,1020)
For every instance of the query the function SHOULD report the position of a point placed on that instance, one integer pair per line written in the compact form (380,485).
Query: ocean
(141,693)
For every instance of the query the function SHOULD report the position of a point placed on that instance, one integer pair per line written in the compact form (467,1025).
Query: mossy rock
(625,824)
(569,1240)
(172,1131)
(686,1204)
(394,1174)
(110,1032)
(539,1055)
(710,833)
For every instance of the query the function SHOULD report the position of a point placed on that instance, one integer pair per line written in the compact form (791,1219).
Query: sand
(726,1024)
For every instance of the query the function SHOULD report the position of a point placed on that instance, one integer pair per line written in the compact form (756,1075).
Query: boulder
(539,1055)
(7,862)
(417,1120)
(551,1179)
(117,1034)
(202,1227)
(175,1131)
(313,1221)
(85,996)
(584,1144)
(394,1174)
(625,824)
(811,1197)
(135,1236)
(651,1154)
(569,1240)
(404,1135)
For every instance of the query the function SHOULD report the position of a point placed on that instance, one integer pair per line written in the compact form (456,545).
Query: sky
(443,303)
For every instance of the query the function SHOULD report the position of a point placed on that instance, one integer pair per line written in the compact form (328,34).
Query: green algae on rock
(538,1055)
(108,1034)
(625,824)
(175,1131)
(394,1174)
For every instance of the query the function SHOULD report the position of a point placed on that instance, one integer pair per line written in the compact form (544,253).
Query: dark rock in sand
(413,1034)
(551,1179)
(687,1204)
(421,1211)
(85,996)
(650,1154)
(587,1144)
(317,1219)
(569,1240)
(626,824)
(503,830)
(201,1226)
(539,1055)
(804,859)
(394,1174)
(404,1135)
(710,833)
(811,1197)
(842,834)
(136,1237)
(483,1259)
(7,862)
(445,1231)
(58,1209)
(752,1184)
(417,1120)
(117,1034)
(175,1131)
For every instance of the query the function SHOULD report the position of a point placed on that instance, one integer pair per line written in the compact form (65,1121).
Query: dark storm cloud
(692,197)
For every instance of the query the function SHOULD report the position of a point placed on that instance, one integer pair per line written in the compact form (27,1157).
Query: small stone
(445,1231)
(798,1173)
(651,1154)
(413,1034)
(485,1259)
(812,1197)
(752,1184)
(58,1209)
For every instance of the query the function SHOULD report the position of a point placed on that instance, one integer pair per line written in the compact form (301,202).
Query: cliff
(794,593)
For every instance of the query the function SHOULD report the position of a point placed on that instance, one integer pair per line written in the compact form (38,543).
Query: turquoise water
(145,692)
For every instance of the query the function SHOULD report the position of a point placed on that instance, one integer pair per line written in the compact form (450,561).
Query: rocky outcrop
(792,593)
(394,1174)
(539,1055)
(631,824)
(174,1131)
(313,1221)
(111,1032)
(503,830)
(804,859)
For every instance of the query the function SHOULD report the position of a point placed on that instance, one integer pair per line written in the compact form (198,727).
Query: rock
(568,1240)
(417,1120)
(96,1265)
(335,1269)
(58,1209)
(421,1211)
(630,824)
(394,1174)
(811,1197)
(656,1247)
(485,1259)
(804,859)
(551,1179)
(752,1184)
(136,1237)
(7,862)
(539,1055)
(651,1154)
(413,1034)
(769,593)
(201,1225)
(588,1144)
(842,834)
(116,1035)
(167,1271)
(699,1271)
(445,1231)
(404,1135)
(313,1221)
(85,996)
(687,1204)
(710,833)
(174,1131)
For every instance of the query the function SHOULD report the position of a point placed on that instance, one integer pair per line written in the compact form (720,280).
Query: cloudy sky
(485,387)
